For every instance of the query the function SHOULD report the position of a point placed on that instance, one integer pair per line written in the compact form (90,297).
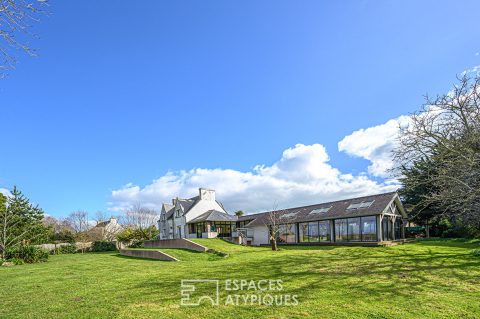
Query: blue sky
(123,93)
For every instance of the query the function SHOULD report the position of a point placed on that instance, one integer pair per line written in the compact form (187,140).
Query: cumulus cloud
(303,175)
(375,144)
(5,192)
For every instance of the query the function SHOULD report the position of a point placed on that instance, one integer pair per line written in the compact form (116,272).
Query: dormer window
(177,214)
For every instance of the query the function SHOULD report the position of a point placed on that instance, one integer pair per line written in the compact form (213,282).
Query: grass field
(428,279)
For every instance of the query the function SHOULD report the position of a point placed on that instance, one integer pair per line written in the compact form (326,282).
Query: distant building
(106,230)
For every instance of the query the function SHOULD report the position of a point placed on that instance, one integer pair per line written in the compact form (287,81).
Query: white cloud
(375,144)
(302,176)
(5,192)
(475,71)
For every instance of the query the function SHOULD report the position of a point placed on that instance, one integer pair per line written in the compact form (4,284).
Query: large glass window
(341,230)
(353,231)
(324,230)
(313,231)
(398,228)
(369,228)
(387,228)
(303,235)
(223,229)
(356,229)
(287,233)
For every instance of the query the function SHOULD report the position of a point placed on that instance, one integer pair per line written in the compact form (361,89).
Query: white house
(199,216)
(361,220)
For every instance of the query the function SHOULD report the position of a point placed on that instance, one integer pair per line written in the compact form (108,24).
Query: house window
(324,230)
(314,231)
(353,231)
(369,228)
(286,233)
(356,229)
(177,214)
(341,230)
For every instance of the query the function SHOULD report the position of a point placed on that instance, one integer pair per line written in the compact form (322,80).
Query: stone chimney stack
(207,194)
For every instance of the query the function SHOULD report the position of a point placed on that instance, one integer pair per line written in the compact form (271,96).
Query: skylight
(322,210)
(288,215)
(360,205)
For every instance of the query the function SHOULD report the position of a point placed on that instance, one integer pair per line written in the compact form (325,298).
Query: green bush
(29,254)
(64,249)
(17,261)
(476,252)
(68,249)
(136,244)
(103,245)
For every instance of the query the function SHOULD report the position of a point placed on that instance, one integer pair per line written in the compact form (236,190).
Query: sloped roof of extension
(214,216)
(360,206)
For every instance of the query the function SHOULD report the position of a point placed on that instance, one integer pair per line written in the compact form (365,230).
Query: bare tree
(16,17)
(78,221)
(100,216)
(273,220)
(440,151)
(140,218)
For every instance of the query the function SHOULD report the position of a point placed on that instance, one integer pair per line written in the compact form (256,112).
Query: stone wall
(150,254)
(181,243)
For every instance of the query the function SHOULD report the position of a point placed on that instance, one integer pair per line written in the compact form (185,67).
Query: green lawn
(428,279)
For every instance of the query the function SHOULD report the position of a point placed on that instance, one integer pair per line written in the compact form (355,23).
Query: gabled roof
(187,204)
(372,205)
(214,216)
(168,210)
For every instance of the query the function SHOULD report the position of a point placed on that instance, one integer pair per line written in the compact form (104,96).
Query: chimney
(207,194)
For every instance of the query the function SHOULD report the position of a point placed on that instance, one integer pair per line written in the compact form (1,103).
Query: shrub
(476,252)
(27,253)
(67,249)
(16,261)
(136,244)
(103,245)
(64,249)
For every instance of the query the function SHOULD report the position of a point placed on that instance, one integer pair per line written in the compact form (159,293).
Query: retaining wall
(181,243)
(150,254)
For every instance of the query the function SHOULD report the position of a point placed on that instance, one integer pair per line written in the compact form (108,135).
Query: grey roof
(188,203)
(169,209)
(214,216)
(337,209)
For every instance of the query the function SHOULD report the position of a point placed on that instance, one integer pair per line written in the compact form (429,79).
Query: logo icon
(195,292)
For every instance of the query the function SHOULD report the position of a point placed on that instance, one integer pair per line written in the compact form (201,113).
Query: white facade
(174,217)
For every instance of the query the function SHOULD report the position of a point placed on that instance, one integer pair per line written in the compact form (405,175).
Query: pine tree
(20,221)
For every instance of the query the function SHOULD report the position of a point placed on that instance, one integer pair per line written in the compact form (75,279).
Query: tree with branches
(438,157)
(273,220)
(16,18)
(20,221)
(78,221)
(141,219)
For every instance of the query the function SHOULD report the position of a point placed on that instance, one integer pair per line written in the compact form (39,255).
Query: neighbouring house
(201,216)
(368,219)
(105,230)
